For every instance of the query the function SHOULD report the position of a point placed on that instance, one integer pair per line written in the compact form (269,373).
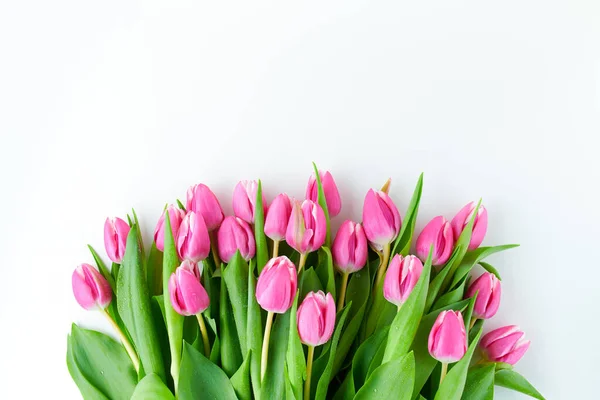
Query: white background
(106,106)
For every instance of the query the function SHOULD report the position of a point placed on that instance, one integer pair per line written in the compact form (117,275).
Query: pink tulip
(480,224)
(349,248)
(175,217)
(438,233)
(506,344)
(193,242)
(316,318)
(401,277)
(115,238)
(277,284)
(194,267)
(488,290)
(448,338)
(381,219)
(188,296)
(235,234)
(244,200)
(278,217)
(90,288)
(332,195)
(307,227)
(203,201)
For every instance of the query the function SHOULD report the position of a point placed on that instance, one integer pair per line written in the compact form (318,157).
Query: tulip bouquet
(266,304)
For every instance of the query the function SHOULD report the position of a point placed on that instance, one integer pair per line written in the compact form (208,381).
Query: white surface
(104,107)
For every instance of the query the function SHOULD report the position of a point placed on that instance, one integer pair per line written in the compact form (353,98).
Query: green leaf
(158,314)
(474,257)
(262,251)
(236,280)
(468,313)
(364,356)
(152,388)
(201,379)
(404,239)
(436,284)
(295,362)
(324,375)
(451,297)
(378,358)
(513,380)
(309,282)
(391,380)
(133,303)
(139,234)
(255,332)
(346,391)
(102,268)
(154,271)
(173,321)
(231,354)
(406,322)
(99,365)
(454,383)
(323,203)
(241,379)
(490,269)
(180,205)
(273,385)
(480,383)
(325,271)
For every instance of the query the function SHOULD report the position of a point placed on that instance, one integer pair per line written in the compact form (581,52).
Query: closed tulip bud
(278,217)
(244,200)
(488,290)
(277,284)
(316,318)
(332,195)
(438,233)
(115,238)
(448,338)
(204,202)
(235,234)
(401,277)
(188,296)
(193,242)
(506,344)
(175,217)
(307,227)
(381,219)
(479,227)
(90,288)
(349,248)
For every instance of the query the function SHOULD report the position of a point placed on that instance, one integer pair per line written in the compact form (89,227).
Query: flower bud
(277,284)
(381,219)
(188,296)
(401,277)
(316,318)
(488,290)
(115,238)
(235,234)
(332,195)
(193,242)
(479,227)
(448,338)
(90,288)
(438,233)
(307,227)
(175,217)
(506,344)
(244,200)
(204,202)
(278,217)
(349,248)
(195,268)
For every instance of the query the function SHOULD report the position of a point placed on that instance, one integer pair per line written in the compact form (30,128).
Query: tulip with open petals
(506,344)
(115,238)
(479,227)
(438,233)
(332,195)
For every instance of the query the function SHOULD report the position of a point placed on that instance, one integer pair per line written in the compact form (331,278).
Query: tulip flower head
(488,290)
(115,238)
(438,233)
(401,277)
(448,338)
(277,284)
(188,296)
(349,249)
(244,200)
(203,201)
(235,234)
(175,217)
(316,318)
(381,219)
(332,195)
(307,227)
(479,227)
(193,242)
(506,344)
(90,288)
(277,218)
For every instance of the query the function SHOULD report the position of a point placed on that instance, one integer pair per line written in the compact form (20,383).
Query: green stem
(309,363)
(275,248)
(343,290)
(215,250)
(443,372)
(383,266)
(265,345)
(204,334)
(473,320)
(128,347)
(302,262)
